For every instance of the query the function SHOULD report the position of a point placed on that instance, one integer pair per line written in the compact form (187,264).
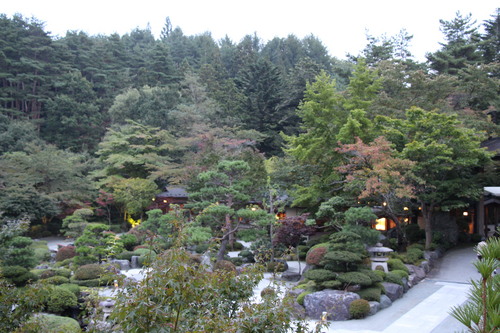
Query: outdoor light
(116,283)
(406,208)
(384,203)
(466,213)
(253,209)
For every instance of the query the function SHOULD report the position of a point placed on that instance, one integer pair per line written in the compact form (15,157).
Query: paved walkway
(424,308)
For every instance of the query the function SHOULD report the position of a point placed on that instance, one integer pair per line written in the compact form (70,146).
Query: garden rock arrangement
(337,303)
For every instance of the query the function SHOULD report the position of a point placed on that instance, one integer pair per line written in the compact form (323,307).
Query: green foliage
(18,275)
(56,280)
(400,273)
(60,299)
(359,308)
(53,324)
(74,288)
(320,275)
(301,296)
(352,278)
(74,224)
(375,277)
(360,216)
(414,255)
(370,294)
(129,241)
(96,243)
(18,251)
(331,284)
(251,235)
(341,261)
(346,241)
(397,264)
(479,315)
(394,278)
(368,235)
(18,304)
(198,234)
(89,272)
(134,194)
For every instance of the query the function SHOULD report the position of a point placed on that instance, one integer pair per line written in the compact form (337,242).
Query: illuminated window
(381,224)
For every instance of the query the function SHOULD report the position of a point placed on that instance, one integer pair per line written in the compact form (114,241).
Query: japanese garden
(206,167)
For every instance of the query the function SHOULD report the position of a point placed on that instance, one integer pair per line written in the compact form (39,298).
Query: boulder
(425,266)
(393,291)
(124,264)
(334,302)
(374,307)
(417,274)
(290,276)
(385,302)
(406,285)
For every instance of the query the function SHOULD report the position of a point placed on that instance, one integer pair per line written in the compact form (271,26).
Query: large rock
(124,264)
(334,302)
(393,291)
(374,307)
(385,302)
(290,276)
(417,274)
(425,265)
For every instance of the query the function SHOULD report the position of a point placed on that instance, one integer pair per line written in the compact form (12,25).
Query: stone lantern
(378,256)
(107,308)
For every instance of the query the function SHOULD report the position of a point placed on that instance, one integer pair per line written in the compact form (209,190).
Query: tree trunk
(227,233)
(427,215)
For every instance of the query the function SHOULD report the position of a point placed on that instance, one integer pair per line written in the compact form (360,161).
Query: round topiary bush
(397,264)
(225,265)
(414,255)
(65,252)
(49,323)
(74,288)
(56,280)
(359,308)
(351,278)
(401,274)
(320,275)
(316,253)
(61,299)
(268,291)
(89,272)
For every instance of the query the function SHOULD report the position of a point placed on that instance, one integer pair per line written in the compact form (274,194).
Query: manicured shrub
(18,275)
(331,284)
(237,246)
(65,252)
(201,248)
(397,264)
(400,273)
(125,255)
(380,273)
(49,323)
(56,280)
(74,288)
(414,255)
(316,253)
(300,298)
(225,265)
(320,275)
(61,299)
(129,241)
(41,250)
(268,291)
(64,263)
(351,278)
(370,294)
(251,235)
(375,277)
(247,256)
(89,272)
(414,233)
(393,278)
(359,308)
(143,251)
(237,261)
(341,261)
(302,249)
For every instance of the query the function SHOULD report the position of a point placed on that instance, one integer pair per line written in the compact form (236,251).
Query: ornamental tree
(375,171)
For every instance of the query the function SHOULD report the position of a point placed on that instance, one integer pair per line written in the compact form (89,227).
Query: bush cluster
(65,252)
(18,275)
(397,264)
(89,272)
(316,253)
(359,308)
(56,280)
(370,294)
(320,275)
(61,299)
(351,278)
